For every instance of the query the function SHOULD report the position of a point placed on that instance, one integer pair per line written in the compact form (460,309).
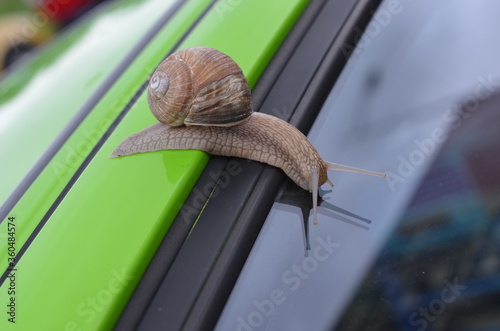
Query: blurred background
(25,24)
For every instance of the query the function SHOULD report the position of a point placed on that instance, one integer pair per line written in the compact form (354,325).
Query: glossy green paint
(93,250)
(44,191)
(69,71)
(41,195)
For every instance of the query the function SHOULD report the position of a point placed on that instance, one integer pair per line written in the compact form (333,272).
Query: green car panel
(84,264)
(44,191)
(41,195)
(69,71)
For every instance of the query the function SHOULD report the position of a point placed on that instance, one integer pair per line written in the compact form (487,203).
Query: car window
(419,71)
(439,269)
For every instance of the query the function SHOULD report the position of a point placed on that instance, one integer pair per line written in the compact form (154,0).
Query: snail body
(249,140)
(215,115)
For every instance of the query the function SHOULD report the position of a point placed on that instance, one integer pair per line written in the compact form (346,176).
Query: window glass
(386,247)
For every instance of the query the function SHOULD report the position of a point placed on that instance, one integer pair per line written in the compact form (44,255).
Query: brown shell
(199,86)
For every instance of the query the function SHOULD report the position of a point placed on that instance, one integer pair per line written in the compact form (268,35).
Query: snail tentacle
(341,167)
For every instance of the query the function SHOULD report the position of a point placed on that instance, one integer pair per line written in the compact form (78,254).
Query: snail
(202,101)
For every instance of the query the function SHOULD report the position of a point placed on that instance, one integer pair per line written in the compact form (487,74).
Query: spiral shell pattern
(199,86)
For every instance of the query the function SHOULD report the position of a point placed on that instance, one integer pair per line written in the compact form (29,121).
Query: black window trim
(197,264)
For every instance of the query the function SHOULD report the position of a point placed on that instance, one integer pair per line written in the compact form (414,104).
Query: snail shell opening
(199,86)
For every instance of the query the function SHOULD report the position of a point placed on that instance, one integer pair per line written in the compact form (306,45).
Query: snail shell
(204,87)
(199,86)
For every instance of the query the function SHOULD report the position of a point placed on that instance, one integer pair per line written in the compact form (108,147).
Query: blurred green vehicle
(181,240)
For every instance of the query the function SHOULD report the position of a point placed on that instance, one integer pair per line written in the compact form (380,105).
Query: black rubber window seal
(197,266)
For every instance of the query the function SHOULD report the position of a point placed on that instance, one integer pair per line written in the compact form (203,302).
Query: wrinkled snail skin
(262,138)
(202,100)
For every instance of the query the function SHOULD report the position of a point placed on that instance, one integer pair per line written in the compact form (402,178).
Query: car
(18,35)
(181,240)
(24,26)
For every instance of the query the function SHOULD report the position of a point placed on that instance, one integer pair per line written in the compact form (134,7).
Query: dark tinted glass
(418,250)
(440,269)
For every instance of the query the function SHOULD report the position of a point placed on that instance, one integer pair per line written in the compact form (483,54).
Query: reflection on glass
(416,79)
(440,269)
